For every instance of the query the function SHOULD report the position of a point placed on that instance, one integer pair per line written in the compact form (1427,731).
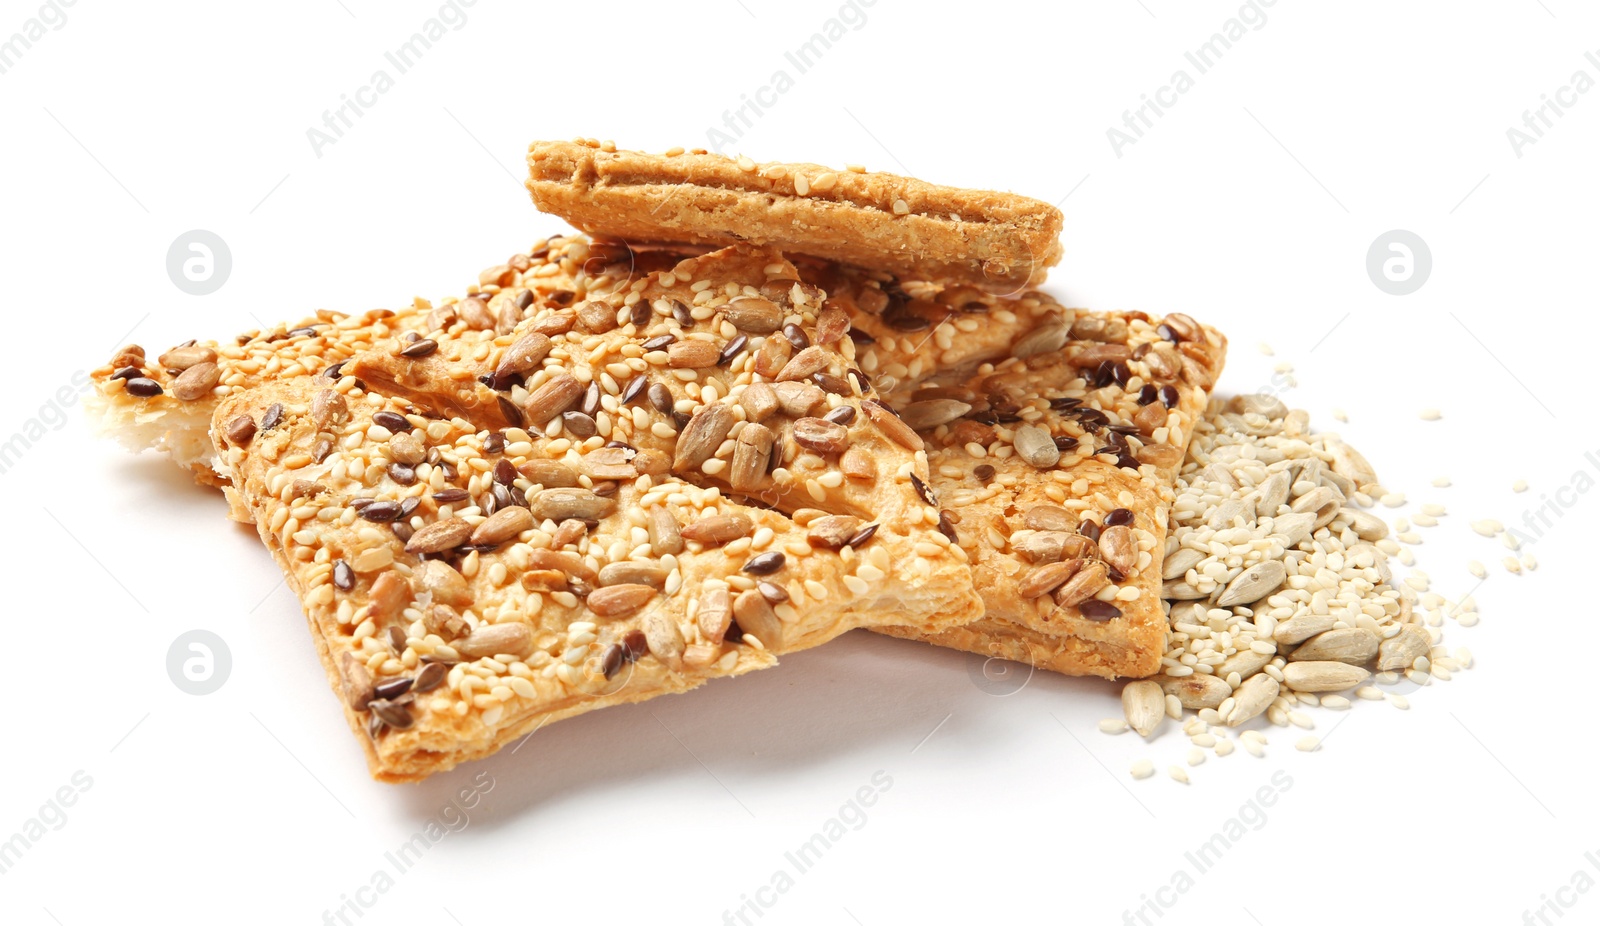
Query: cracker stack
(755,407)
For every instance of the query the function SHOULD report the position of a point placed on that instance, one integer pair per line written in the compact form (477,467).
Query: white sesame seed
(1264,348)
(1441,482)
(1142,769)
(1477,569)
(1339,414)
(1113,726)
(1399,701)
(1488,527)
(1195,757)
(1521,485)
(1178,774)
(1308,744)
(1430,414)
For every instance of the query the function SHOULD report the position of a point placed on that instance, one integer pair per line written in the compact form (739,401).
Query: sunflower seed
(798,399)
(821,435)
(1144,704)
(1118,548)
(1085,583)
(1049,518)
(804,364)
(750,456)
(440,536)
(1196,692)
(196,381)
(618,600)
(1035,446)
(1353,645)
(1302,627)
(1045,339)
(1403,649)
(501,526)
(1180,562)
(633,573)
(662,636)
(1047,578)
(549,474)
(1349,463)
(1251,699)
(358,687)
(558,394)
(753,315)
(559,504)
(759,401)
(715,612)
(699,441)
(1314,677)
(524,354)
(1294,528)
(931,413)
(757,618)
(693,355)
(662,525)
(717,529)
(833,531)
(182,358)
(512,639)
(1271,494)
(1053,546)
(1253,584)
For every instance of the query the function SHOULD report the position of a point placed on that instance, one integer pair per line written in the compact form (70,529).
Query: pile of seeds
(1279,588)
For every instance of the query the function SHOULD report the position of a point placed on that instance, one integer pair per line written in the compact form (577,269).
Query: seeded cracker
(897,224)
(160,403)
(594,559)
(1056,475)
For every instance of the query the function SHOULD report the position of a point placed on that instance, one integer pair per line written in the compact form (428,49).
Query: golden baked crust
(1056,470)
(915,229)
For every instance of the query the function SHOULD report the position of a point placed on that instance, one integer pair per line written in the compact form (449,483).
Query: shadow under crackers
(850,696)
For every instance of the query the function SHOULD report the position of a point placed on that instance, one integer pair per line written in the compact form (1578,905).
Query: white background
(1250,204)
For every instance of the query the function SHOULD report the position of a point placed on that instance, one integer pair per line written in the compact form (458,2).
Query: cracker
(1119,447)
(914,229)
(805,548)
